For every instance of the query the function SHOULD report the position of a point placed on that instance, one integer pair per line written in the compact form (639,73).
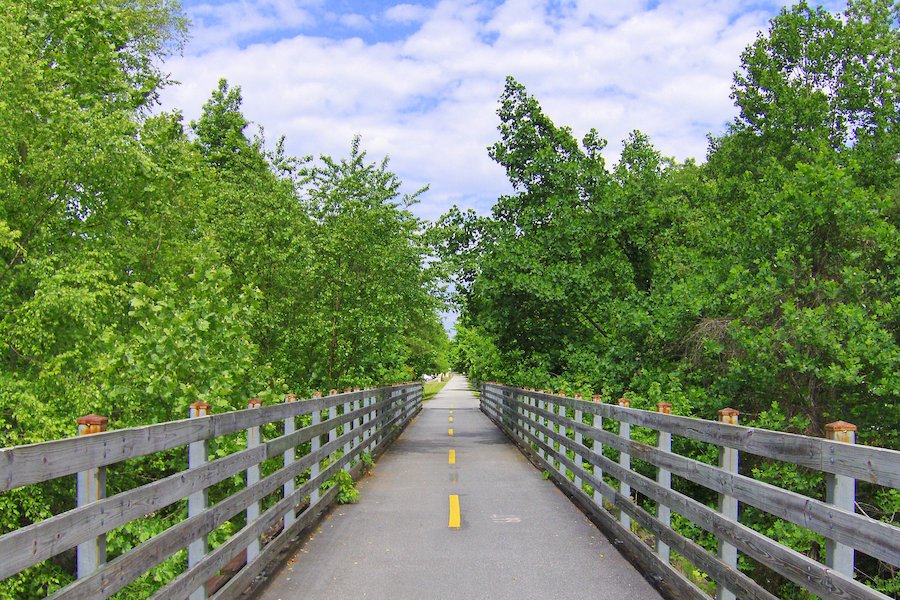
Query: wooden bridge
(453,510)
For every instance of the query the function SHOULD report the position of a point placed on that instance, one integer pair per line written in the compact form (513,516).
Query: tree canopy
(764,279)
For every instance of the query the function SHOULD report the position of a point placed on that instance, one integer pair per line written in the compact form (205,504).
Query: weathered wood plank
(797,567)
(664,576)
(237,587)
(61,532)
(34,463)
(126,568)
(746,587)
(246,575)
(194,577)
(875,538)
(30,545)
(867,463)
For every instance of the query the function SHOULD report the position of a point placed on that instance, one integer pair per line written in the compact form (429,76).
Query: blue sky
(419,80)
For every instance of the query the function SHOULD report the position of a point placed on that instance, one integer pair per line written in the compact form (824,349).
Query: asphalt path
(519,537)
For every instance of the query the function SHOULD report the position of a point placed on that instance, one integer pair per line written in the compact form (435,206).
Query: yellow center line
(454,512)
(452,458)
(451,419)
(450,432)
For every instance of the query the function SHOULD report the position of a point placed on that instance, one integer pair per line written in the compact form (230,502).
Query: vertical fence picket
(625,463)
(290,426)
(347,427)
(560,428)
(90,487)
(253,440)
(366,403)
(357,423)
(728,505)
(332,415)
(579,439)
(664,479)
(840,490)
(198,454)
(597,423)
(314,444)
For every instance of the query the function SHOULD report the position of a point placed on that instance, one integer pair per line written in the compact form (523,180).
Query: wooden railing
(339,429)
(566,436)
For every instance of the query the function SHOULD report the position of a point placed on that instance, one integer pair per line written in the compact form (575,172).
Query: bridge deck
(520,537)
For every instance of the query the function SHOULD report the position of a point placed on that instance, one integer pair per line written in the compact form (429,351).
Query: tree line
(764,279)
(149,263)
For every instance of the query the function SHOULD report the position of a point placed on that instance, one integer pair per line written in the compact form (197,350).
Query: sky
(419,81)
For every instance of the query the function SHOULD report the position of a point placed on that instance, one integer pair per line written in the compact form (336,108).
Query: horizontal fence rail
(567,436)
(335,432)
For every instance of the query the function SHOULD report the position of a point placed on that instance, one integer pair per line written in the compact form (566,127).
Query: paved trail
(519,536)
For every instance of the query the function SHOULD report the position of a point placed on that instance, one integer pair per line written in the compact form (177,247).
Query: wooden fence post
(840,490)
(253,441)
(544,404)
(290,426)
(625,463)
(314,444)
(728,505)
(357,423)
(579,439)
(533,418)
(198,454)
(346,429)
(664,479)
(597,423)
(332,414)
(90,487)
(563,431)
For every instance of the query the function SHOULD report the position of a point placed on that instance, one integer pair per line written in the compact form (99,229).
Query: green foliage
(431,388)
(347,492)
(367,460)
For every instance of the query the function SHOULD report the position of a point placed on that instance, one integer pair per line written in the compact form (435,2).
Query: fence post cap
(597,398)
(664,407)
(348,390)
(332,392)
(624,402)
(839,426)
(92,420)
(199,409)
(357,389)
(561,393)
(729,412)
(255,402)
(578,396)
(290,397)
(317,394)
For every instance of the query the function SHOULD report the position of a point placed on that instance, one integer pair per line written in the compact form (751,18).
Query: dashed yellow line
(454,512)
(451,459)
(451,419)
(450,432)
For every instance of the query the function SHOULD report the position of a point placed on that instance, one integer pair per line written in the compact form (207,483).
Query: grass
(430,388)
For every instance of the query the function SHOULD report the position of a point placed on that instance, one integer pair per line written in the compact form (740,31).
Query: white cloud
(355,21)
(218,24)
(406,13)
(429,99)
